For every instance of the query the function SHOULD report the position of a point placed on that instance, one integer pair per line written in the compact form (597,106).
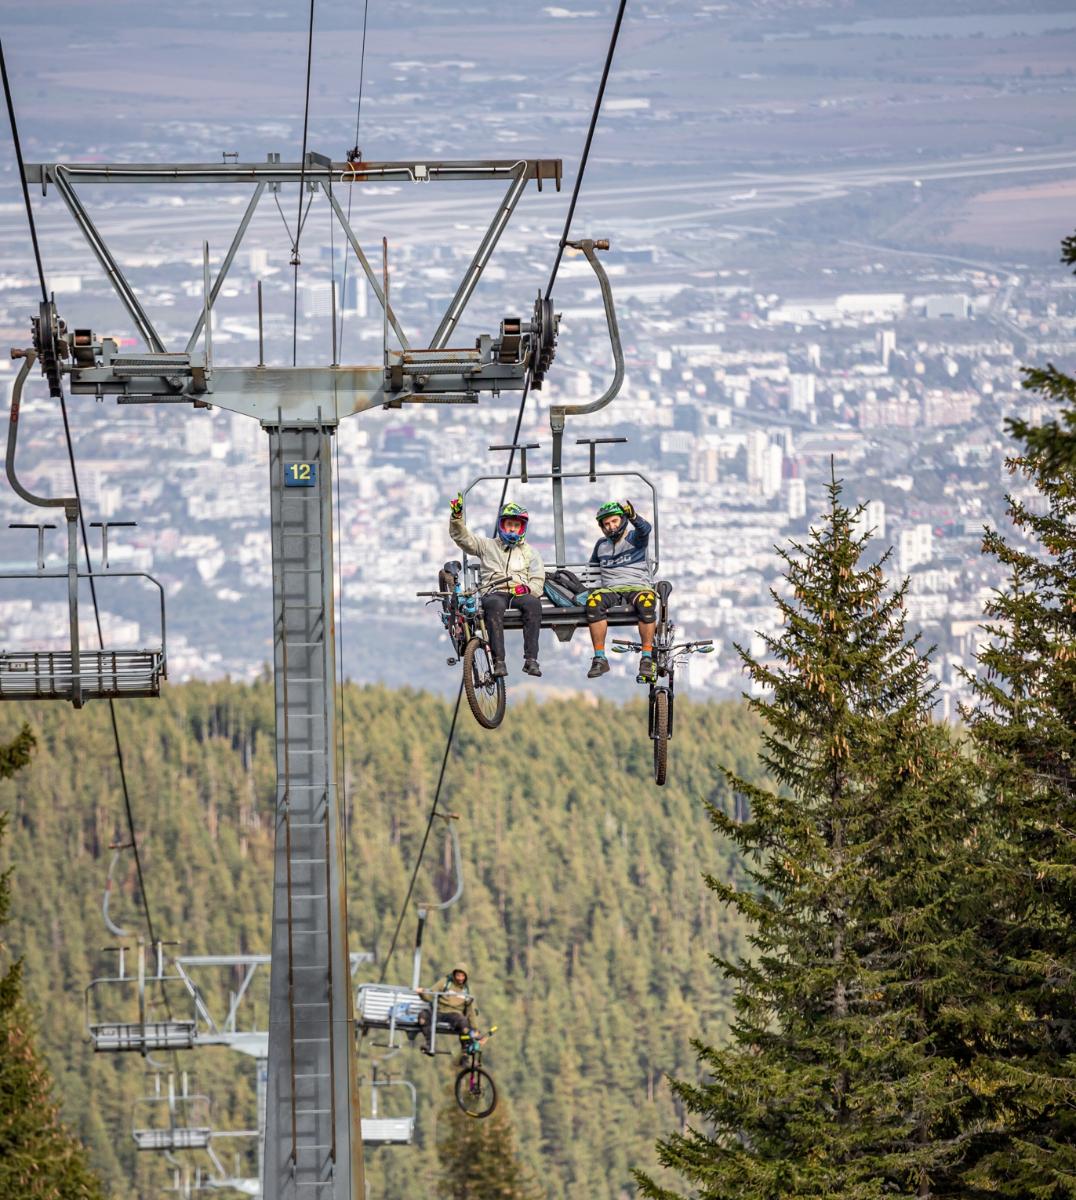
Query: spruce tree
(847,1073)
(478,1158)
(39,1159)
(1024,727)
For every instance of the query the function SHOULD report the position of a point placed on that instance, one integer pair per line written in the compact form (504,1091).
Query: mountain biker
(456,1007)
(506,557)
(624,577)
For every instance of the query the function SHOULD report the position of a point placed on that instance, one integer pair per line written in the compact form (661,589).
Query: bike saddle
(663,589)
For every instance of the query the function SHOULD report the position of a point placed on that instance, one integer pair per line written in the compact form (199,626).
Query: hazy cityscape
(827,247)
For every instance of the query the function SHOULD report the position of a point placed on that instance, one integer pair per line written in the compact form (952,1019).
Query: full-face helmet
(612,508)
(512,512)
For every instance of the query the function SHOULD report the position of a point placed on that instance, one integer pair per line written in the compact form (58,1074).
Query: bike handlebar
(705,646)
(481,589)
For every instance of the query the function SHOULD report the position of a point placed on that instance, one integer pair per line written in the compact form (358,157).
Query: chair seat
(381,1006)
(388,1130)
(565,621)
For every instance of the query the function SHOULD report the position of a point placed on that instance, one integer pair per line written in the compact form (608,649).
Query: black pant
(530,606)
(457,1023)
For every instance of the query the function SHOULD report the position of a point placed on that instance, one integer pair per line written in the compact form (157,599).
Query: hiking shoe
(465,1060)
(647,671)
(499,669)
(599,666)
(531,667)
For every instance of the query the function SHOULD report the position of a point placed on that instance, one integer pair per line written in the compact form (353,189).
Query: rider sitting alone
(456,1007)
(517,576)
(624,577)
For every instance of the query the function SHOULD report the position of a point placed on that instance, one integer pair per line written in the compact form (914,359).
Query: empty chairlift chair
(395,1127)
(76,673)
(171,1119)
(137,994)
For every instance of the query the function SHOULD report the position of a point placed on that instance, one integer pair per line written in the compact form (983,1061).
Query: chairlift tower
(313,1143)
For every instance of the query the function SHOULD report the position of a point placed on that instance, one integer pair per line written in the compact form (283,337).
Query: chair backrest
(376,1001)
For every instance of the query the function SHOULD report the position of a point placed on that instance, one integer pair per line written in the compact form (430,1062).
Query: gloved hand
(456,505)
(521,589)
(629,509)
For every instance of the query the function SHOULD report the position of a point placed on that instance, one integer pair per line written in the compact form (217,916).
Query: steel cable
(568,220)
(82,520)
(425,836)
(299,220)
(351,191)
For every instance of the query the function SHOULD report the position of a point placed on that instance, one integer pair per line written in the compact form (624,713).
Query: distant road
(448,211)
(703,199)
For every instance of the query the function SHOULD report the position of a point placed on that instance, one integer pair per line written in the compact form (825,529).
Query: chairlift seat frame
(76,675)
(178,1138)
(565,621)
(143,1037)
(389,1131)
(377,1006)
(101,674)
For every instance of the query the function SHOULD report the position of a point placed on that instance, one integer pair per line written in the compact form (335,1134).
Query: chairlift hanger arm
(70,503)
(558,412)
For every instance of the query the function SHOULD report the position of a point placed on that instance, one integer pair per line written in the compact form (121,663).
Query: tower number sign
(300,474)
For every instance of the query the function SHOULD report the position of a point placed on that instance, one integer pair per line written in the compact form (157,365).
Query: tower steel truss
(313,1143)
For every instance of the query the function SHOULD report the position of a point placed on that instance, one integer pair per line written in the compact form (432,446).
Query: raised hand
(629,509)
(456,505)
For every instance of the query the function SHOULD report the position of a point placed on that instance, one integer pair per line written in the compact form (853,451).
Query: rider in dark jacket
(624,576)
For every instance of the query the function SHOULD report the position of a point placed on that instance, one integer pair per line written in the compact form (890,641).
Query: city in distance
(834,236)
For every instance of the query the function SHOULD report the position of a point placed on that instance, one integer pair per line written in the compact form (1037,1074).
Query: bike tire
(485,695)
(476,1093)
(660,734)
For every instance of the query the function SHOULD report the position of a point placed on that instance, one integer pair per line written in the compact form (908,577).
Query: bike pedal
(451,661)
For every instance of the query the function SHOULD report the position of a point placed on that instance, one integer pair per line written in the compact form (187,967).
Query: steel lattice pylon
(313,1144)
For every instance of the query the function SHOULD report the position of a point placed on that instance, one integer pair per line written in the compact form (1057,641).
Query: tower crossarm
(316,170)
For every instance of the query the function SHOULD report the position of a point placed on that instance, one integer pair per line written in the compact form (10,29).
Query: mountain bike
(465,623)
(667,656)
(476,1093)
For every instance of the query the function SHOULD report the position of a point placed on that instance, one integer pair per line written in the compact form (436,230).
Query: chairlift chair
(144,1034)
(76,674)
(398,1008)
(187,1117)
(485,692)
(380,1130)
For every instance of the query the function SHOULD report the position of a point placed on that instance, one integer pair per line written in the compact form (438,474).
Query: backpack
(563,588)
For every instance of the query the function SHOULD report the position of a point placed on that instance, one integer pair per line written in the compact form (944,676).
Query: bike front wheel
(659,731)
(485,694)
(475,1092)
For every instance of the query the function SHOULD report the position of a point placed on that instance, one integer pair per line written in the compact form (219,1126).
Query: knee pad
(595,607)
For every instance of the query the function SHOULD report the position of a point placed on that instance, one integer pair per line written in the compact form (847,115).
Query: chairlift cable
(299,220)
(568,221)
(111,703)
(22,173)
(355,144)
(586,147)
(425,836)
(339,570)
(515,441)
(128,810)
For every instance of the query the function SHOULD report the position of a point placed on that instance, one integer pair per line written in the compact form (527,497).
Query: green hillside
(585,920)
